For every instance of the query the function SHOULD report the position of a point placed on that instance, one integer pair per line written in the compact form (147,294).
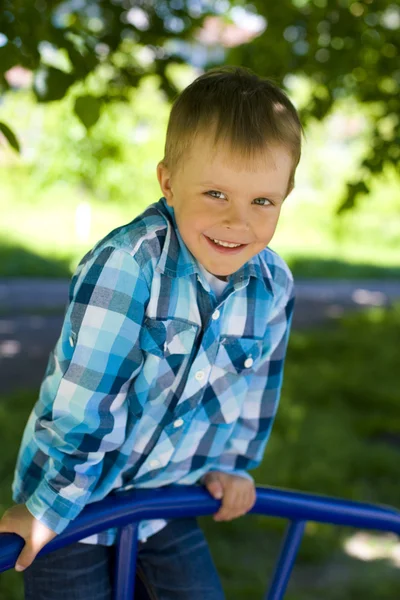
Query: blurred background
(85,92)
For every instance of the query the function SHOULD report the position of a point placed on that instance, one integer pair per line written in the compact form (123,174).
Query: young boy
(169,366)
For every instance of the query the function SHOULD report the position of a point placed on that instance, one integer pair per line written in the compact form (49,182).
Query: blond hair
(247,112)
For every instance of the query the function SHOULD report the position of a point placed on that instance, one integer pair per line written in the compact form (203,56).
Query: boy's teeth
(226,244)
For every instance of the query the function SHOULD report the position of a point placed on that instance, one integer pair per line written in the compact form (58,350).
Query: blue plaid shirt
(153,380)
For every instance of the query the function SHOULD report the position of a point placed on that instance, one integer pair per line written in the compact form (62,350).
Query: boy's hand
(18,519)
(238,493)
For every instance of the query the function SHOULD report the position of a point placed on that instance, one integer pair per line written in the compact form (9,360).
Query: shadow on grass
(20,261)
(306,267)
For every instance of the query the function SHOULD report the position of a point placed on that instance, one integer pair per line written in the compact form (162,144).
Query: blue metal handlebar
(125,510)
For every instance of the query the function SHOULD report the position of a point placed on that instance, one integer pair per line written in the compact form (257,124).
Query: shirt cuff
(51,509)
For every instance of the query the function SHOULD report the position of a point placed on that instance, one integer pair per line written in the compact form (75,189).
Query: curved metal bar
(287,556)
(123,508)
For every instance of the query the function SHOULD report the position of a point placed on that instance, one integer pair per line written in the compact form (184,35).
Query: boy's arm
(246,445)
(88,415)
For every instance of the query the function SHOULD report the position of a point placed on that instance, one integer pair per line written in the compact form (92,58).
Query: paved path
(16,294)
(31,316)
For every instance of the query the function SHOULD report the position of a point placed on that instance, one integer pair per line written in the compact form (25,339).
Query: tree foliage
(93,35)
(344,47)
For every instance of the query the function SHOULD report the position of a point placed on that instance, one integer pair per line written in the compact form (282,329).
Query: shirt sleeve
(99,355)
(246,445)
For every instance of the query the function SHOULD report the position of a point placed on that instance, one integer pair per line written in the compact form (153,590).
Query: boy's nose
(237,219)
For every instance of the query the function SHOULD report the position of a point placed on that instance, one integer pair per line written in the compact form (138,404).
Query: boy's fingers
(236,506)
(229,505)
(249,500)
(237,500)
(33,547)
(215,488)
(26,558)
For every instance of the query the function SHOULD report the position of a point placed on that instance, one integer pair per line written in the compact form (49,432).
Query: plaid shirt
(153,380)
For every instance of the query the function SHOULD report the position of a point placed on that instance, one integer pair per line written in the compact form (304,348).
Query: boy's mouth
(224,249)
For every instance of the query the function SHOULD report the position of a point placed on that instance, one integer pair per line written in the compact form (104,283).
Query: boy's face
(214,197)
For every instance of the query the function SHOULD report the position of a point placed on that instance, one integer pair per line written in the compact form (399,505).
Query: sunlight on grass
(372,546)
(366,235)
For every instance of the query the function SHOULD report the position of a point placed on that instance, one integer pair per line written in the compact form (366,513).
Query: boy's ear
(164,179)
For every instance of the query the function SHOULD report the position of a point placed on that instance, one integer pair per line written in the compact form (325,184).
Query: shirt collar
(176,260)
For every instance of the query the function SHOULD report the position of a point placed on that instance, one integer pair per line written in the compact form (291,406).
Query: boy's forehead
(210,157)
(221,164)
(221,161)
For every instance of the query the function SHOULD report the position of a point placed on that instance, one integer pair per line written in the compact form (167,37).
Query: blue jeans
(174,564)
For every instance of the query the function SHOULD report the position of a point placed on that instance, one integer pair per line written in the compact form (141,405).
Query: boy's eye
(211,192)
(266,201)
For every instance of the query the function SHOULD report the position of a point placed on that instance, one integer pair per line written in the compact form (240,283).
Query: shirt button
(216,314)
(199,375)
(248,362)
(71,340)
(178,422)
(154,463)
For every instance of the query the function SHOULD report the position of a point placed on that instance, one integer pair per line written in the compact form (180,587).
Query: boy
(169,365)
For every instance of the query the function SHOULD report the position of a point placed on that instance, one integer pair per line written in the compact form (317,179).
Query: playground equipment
(126,509)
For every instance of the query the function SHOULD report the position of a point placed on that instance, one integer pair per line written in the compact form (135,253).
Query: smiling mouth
(225,241)
(224,249)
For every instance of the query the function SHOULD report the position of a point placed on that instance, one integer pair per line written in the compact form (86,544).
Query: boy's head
(233,144)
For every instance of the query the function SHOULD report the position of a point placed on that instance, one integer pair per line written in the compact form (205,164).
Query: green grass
(337,432)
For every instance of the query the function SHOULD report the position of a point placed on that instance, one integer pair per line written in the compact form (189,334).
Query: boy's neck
(221,277)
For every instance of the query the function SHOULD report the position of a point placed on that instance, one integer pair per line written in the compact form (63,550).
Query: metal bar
(125,564)
(285,562)
(132,506)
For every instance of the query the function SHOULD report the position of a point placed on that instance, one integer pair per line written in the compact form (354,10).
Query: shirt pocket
(167,343)
(238,355)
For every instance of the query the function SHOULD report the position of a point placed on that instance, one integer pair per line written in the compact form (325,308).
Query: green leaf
(9,135)
(87,108)
(51,84)
(352,192)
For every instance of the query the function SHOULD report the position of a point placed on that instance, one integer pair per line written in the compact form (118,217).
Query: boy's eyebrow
(220,187)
